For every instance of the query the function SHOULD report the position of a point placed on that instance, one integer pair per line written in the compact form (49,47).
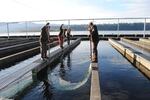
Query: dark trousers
(43,49)
(68,40)
(95,52)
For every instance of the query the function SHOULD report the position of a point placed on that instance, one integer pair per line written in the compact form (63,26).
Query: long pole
(48,44)
(49,40)
(90,38)
(90,48)
(70,31)
(68,24)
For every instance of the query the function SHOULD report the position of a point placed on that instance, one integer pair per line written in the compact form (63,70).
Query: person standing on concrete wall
(61,36)
(94,39)
(68,35)
(44,40)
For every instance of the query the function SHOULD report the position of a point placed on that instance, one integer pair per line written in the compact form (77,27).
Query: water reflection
(72,87)
(60,79)
(47,94)
(62,70)
(69,61)
(47,88)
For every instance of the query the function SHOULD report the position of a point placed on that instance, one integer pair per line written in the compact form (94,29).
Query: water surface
(73,68)
(120,80)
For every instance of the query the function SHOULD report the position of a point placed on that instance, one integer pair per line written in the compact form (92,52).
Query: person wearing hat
(68,35)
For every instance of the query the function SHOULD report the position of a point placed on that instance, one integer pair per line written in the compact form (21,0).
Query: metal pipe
(68,24)
(26,23)
(144,27)
(7,29)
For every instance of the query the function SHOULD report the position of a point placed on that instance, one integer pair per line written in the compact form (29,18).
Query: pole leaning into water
(90,39)
(90,48)
(48,39)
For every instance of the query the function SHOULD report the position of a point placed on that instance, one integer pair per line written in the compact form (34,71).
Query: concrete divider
(141,61)
(145,40)
(95,93)
(5,51)
(7,43)
(138,44)
(5,61)
(36,66)
(54,56)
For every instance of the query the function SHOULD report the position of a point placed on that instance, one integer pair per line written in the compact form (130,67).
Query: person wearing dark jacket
(94,39)
(44,40)
(68,35)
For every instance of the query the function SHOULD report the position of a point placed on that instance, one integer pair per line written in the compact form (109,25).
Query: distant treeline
(33,27)
(113,27)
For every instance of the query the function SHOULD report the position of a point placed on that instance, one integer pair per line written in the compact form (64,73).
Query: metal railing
(26,27)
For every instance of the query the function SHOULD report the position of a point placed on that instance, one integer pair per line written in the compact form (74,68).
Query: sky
(28,10)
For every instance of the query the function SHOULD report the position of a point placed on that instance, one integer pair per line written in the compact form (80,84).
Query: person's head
(47,24)
(65,29)
(91,24)
(61,27)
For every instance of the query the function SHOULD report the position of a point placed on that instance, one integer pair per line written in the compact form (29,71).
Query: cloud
(136,8)
(65,9)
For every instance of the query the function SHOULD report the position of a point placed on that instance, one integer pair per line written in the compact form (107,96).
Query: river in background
(74,33)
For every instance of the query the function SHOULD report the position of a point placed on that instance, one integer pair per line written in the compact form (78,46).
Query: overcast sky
(24,10)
